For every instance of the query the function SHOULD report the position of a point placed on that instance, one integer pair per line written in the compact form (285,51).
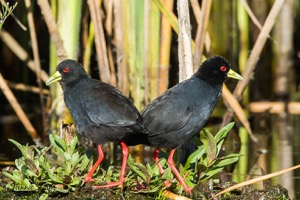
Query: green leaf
(43,151)
(210,146)
(20,183)
(58,143)
(29,173)
(23,149)
(73,144)
(19,163)
(220,164)
(210,173)
(75,158)
(76,180)
(227,160)
(51,175)
(55,178)
(44,196)
(23,188)
(16,176)
(221,135)
(223,132)
(32,168)
(135,168)
(155,170)
(37,164)
(194,157)
(84,163)
(75,161)
(67,156)
(168,174)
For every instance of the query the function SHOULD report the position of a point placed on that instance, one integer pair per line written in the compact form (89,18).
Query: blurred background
(133,45)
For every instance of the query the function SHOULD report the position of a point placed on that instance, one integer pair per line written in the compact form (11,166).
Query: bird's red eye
(66,70)
(223,68)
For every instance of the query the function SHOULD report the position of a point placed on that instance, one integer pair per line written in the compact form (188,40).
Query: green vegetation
(5,11)
(58,168)
(61,167)
(206,157)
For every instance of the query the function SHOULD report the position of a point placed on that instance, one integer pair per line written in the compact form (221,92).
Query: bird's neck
(213,81)
(72,83)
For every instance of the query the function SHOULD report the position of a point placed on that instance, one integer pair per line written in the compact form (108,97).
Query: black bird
(181,112)
(100,111)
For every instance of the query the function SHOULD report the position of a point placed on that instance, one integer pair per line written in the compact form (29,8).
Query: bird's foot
(110,184)
(88,179)
(167,184)
(188,190)
(185,187)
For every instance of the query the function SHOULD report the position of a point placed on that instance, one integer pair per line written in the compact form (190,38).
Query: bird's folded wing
(164,118)
(107,106)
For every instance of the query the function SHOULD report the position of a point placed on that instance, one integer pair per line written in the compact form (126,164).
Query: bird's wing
(166,114)
(105,105)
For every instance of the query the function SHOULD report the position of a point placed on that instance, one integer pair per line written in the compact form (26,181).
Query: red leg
(175,171)
(89,176)
(122,173)
(156,159)
(160,168)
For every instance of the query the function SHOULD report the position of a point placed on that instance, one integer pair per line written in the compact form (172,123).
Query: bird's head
(216,70)
(68,72)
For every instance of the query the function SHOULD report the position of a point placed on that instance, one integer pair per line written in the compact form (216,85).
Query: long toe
(167,183)
(88,179)
(187,189)
(110,184)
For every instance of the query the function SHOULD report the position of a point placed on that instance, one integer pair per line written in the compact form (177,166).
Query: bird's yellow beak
(233,74)
(54,78)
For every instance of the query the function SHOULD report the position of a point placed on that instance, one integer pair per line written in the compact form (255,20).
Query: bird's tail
(139,136)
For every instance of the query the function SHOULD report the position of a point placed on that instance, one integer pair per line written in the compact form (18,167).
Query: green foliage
(61,167)
(147,179)
(206,157)
(56,169)
(141,178)
(5,11)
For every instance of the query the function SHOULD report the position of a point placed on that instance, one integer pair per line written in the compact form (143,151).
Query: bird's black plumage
(179,113)
(100,111)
